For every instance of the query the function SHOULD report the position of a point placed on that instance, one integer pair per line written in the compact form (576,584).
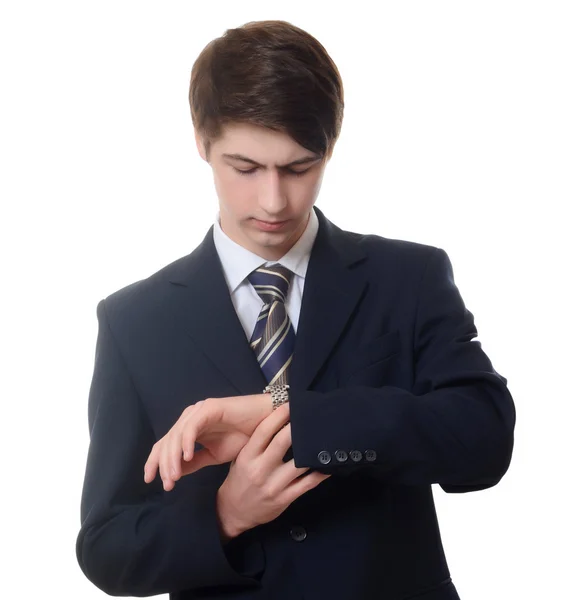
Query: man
(269,412)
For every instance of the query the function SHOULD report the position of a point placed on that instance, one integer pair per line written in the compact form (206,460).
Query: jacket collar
(200,300)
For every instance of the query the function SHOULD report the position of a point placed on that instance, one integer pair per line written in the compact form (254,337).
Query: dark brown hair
(272,74)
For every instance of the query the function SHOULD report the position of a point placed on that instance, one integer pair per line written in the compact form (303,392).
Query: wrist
(279,394)
(227,527)
(266,399)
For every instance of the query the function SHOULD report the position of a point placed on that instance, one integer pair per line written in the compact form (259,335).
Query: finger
(166,462)
(282,474)
(273,456)
(266,430)
(194,422)
(174,449)
(183,429)
(189,438)
(162,464)
(202,417)
(151,465)
(202,458)
(301,486)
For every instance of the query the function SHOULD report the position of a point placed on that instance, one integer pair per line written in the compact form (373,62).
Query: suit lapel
(201,302)
(332,291)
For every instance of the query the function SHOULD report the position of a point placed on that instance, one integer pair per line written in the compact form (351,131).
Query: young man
(269,412)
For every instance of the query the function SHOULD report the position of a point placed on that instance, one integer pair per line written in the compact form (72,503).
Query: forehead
(259,143)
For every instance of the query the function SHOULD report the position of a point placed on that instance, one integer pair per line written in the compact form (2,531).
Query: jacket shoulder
(141,297)
(401,251)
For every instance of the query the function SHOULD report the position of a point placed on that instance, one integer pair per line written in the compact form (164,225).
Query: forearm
(452,423)
(157,547)
(226,528)
(460,436)
(136,539)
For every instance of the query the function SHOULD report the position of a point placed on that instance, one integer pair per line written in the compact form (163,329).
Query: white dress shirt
(238,262)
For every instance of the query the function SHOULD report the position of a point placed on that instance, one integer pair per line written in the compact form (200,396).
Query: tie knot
(271,283)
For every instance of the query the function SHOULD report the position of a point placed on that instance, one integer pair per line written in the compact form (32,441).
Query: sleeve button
(341,456)
(356,456)
(371,455)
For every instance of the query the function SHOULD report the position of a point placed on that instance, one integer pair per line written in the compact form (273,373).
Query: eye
(289,171)
(245,172)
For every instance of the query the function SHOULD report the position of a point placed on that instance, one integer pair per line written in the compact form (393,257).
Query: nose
(272,198)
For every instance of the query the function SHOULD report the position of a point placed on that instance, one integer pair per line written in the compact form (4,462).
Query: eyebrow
(299,161)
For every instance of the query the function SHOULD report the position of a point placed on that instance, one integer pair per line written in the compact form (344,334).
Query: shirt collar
(238,262)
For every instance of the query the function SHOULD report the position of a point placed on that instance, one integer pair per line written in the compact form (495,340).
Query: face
(266,185)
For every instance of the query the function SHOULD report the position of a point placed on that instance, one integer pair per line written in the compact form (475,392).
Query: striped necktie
(273,337)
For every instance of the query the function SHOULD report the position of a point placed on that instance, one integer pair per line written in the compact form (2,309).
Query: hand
(260,485)
(222,425)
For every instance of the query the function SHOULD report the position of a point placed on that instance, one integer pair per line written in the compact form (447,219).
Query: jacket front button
(341,456)
(324,457)
(298,533)
(371,455)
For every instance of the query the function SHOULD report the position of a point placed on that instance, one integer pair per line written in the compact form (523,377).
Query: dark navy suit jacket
(389,393)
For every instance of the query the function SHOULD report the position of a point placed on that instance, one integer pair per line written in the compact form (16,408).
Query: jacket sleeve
(135,539)
(454,427)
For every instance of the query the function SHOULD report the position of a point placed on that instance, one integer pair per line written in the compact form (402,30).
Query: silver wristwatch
(279,394)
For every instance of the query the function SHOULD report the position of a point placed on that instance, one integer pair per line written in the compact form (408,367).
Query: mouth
(270,225)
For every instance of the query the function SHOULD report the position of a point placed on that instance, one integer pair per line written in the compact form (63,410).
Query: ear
(200,145)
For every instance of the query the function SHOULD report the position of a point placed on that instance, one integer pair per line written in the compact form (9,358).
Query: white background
(460,131)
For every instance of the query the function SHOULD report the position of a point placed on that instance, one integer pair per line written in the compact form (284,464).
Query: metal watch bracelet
(279,394)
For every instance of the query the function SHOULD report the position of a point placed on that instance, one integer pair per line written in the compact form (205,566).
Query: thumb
(202,458)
